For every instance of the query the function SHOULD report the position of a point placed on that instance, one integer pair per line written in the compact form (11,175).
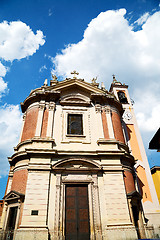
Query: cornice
(52,93)
(35,139)
(38,95)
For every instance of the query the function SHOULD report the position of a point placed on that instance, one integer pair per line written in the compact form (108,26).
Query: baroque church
(80,170)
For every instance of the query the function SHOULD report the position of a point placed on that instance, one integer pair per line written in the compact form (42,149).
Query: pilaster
(24,117)
(50,120)
(96,207)
(57,207)
(40,118)
(109,122)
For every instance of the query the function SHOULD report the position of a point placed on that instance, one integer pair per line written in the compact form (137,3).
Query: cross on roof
(75,73)
(114,78)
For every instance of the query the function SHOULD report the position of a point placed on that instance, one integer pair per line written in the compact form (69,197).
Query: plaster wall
(151,203)
(156,180)
(116,206)
(36,198)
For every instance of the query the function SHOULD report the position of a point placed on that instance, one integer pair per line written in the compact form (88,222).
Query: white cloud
(3,84)
(142,19)
(42,68)
(3,70)
(18,41)
(50,12)
(3,87)
(111,45)
(148,118)
(10,124)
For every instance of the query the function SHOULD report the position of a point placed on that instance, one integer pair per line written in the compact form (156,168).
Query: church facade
(79,170)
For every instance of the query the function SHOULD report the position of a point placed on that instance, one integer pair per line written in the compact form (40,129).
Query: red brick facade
(44,123)
(30,124)
(104,123)
(1,207)
(117,127)
(20,181)
(129,182)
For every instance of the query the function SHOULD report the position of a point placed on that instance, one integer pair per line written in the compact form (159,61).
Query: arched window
(122,97)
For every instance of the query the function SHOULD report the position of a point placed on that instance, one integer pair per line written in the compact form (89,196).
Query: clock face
(127,115)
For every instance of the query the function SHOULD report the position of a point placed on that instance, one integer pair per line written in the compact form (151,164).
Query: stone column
(4,216)
(104,123)
(50,120)
(92,235)
(40,118)
(24,117)
(57,208)
(109,123)
(98,121)
(96,209)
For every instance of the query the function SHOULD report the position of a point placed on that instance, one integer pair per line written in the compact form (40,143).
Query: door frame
(74,171)
(76,185)
(93,210)
(17,217)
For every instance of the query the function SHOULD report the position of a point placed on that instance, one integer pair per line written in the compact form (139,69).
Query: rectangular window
(75,124)
(34,212)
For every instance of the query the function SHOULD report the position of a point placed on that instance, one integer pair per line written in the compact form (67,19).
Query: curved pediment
(75,99)
(77,164)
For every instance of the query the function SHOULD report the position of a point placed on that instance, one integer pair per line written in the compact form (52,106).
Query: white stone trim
(59,204)
(109,123)
(17,204)
(23,121)
(85,138)
(40,119)
(50,120)
(98,122)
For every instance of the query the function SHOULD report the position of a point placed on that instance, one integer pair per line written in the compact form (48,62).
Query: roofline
(154,169)
(155,141)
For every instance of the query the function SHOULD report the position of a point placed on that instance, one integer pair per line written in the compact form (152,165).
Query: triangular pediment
(78,92)
(13,195)
(69,91)
(77,83)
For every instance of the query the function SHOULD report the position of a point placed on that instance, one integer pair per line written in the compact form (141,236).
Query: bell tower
(133,138)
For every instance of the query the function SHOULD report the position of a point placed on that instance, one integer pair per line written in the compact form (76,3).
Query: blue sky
(95,37)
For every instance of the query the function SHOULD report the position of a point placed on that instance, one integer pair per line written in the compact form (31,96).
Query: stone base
(154,218)
(110,233)
(152,233)
(30,234)
(120,233)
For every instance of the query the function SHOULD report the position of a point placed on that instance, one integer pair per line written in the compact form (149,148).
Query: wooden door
(11,222)
(77,213)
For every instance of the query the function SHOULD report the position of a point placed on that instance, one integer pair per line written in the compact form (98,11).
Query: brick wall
(104,123)
(30,124)
(1,207)
(44,123)
(129,182)
(117,127)
(19,181)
